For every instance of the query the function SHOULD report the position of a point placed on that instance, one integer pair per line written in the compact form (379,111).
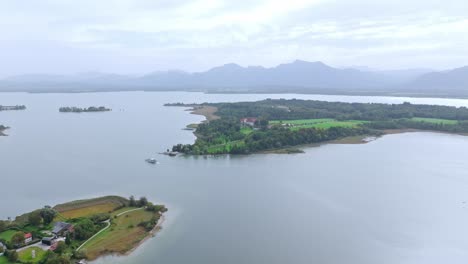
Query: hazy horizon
(138,37)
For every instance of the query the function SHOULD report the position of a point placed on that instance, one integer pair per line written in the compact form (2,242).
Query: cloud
(195,35)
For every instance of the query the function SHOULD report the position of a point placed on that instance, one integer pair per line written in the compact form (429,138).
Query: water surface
(400,199)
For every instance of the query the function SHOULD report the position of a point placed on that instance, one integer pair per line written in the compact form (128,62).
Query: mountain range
(296,77)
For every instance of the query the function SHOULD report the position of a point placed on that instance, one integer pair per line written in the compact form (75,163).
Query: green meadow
(435,120)
(324,123)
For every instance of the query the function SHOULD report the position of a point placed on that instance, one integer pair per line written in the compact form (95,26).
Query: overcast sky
(139,36)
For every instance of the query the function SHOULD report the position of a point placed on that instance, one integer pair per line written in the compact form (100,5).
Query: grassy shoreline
(100,226)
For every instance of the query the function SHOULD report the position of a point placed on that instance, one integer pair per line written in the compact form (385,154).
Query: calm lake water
(400,199)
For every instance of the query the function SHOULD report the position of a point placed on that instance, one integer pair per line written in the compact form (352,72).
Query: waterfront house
(28,238)
(248,121)
(62,229)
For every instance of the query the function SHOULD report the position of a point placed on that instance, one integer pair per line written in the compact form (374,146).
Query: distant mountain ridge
(298,76)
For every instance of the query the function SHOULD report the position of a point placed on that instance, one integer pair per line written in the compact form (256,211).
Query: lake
(400,199)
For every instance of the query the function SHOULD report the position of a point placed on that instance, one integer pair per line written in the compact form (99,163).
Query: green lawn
(435,120)
(246,130)
(25,256)
(317,123)
(227,146)
(7,235)
(4,260)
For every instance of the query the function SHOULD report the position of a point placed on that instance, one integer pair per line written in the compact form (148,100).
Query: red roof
(28,235)
(249,119)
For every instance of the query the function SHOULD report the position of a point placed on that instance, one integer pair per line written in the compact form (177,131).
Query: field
(435,120)
(121,237)
(7,235)
(316,123)
(25,256)
(246,130)
(84,208)
(4,260)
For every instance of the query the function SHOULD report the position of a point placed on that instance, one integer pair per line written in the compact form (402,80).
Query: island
(2,129)
(80,230)
(280,125)
(11,108)
(73,109)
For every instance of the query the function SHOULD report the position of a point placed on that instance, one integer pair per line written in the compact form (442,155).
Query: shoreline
(150,234)
(396,94)
(204,110)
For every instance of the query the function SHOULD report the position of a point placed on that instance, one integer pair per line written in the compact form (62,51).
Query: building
(48,241)
(62,229)
(28,238)
(248,121)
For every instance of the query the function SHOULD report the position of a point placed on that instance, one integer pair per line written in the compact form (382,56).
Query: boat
(151,160)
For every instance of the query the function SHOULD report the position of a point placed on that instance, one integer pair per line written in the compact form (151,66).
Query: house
(248,121)
(28,238)
(48,241)
(62,229)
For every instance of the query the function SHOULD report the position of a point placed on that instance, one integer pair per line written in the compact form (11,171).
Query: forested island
(68,109)
(250,127)
(10,108)
(83,229)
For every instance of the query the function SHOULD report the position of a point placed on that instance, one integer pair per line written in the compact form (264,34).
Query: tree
(35,218)
(47,214)
(68,240)
(12,256)
(18,238)
(142,201)
(61,247)
(85,229)
(3,226)
(132,202)
(57,259)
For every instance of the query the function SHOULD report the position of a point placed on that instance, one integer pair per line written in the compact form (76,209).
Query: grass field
(317,123)
(221,147)
(88,211)
(121,237)
(435,120)
(246,130)
(7,235)
(83,208)
(25,256)
(4,260)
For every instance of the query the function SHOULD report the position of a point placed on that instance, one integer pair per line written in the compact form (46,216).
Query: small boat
(151,161)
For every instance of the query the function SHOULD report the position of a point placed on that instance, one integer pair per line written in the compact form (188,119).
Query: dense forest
(272,131)
(14,107)
(80,110)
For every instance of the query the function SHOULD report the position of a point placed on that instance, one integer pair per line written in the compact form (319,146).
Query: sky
(141,36)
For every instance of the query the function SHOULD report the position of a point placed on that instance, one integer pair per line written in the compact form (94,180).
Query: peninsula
(78,230)
(83,110)
(272,125)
